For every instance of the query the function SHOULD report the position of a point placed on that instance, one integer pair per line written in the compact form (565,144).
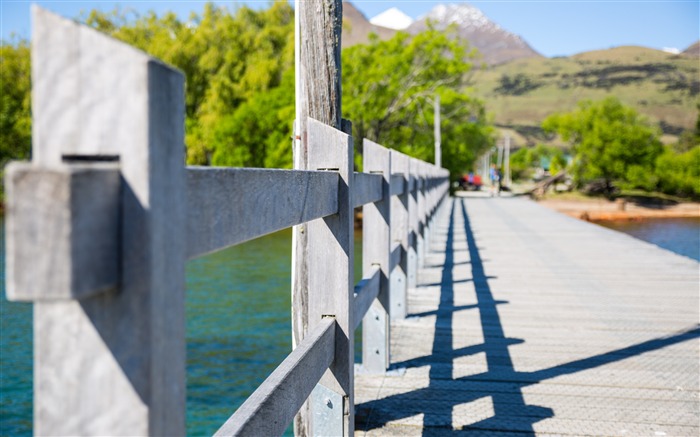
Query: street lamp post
(438,139)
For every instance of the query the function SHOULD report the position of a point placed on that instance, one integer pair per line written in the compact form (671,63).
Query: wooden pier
(528,321)
(492,315)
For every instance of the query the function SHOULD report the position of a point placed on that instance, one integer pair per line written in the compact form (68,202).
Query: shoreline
(601,210)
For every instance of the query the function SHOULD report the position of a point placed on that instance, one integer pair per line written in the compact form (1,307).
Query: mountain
(663,86)
(693,50)
(393,19)
(356,27)
(496,44)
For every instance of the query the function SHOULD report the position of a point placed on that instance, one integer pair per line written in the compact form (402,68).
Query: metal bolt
(329,404)
(376,351)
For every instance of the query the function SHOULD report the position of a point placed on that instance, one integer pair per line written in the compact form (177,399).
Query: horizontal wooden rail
(365,292)
(227,206)
(395,256)
(271,408)
(367,188)
(398,185)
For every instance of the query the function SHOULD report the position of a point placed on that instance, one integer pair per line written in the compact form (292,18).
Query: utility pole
(438,139)
(507,161)
(499,156)
(318,27)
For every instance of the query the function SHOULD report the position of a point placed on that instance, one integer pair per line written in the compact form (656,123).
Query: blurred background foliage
(240,101)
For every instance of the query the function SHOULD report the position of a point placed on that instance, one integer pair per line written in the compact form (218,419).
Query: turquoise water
(680,235)
(238,331)
(238,324)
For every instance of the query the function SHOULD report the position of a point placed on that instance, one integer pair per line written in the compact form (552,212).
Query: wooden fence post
(320,26)
(329,260)
(113,363)
(400,234)
(412,258)
(376,250)
(420,200)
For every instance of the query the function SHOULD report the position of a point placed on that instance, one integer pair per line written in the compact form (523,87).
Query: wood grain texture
(367,188)
(329,257)
(398,183)
(273,405)
(114,364)
(527,321)
(320,31)
(227,206)
(376,244)
(365,292)
(62,230)
(400,171)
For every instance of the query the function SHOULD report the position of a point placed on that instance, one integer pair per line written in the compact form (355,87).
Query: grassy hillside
(663,86)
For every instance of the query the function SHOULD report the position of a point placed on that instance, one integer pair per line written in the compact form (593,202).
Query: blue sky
(550,27)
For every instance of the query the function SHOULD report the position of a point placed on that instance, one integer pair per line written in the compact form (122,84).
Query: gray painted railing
(101,223)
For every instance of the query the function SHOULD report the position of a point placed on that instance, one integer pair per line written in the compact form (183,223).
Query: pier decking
(528,321)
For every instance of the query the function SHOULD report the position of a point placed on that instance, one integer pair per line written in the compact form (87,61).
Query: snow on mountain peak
(393,19)
(464,15)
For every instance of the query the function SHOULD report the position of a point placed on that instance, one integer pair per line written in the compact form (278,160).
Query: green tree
(611,142)
(231,61)
(15,105)
(679,173)
(525,160)
(15,102)
(389,89)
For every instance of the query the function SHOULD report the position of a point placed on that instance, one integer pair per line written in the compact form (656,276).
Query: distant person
(495,178)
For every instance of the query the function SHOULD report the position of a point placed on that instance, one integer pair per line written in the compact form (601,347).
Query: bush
(679,173)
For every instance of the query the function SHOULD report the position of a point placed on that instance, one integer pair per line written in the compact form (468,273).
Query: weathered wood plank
(395,256)
(114,364)
(398,184)
(376,243)
(318,95)
(227,206)
(367,188)
(62,230)
(524,320)
(400,234)
(272,406)
(330,263)
(365,292)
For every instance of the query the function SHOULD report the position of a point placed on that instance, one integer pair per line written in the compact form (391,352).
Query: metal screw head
(329,404)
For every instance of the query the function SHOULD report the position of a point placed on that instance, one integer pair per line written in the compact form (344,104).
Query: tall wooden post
(319,97)
(113,362)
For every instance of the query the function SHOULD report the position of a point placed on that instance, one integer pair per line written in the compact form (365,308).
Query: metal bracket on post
(328,411)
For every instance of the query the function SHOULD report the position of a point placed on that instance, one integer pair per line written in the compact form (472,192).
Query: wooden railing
(101,223)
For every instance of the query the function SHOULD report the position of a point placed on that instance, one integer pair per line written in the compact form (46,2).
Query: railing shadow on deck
(510,411)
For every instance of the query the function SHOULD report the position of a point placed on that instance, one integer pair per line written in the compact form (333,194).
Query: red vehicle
(470,182)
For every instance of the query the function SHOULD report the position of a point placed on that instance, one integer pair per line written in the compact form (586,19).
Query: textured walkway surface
(526,321)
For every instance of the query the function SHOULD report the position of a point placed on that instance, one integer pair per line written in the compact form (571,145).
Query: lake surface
(238,331)
(238,324)
(680,235)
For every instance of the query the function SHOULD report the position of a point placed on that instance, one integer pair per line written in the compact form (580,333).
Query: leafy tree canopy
(15,102)
(610,141)
(231,61)
(240,87)
(389,89)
